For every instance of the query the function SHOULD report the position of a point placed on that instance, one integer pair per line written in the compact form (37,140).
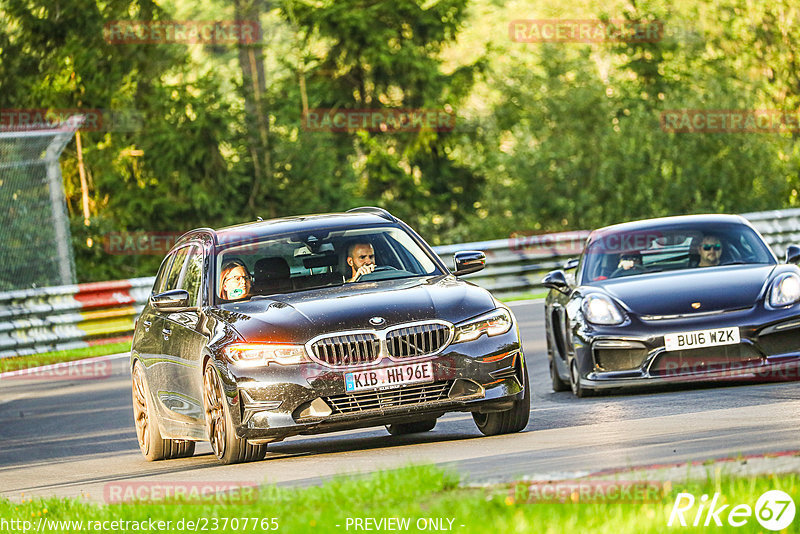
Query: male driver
(629,263)
(630,260)
(361,259)
(710,251)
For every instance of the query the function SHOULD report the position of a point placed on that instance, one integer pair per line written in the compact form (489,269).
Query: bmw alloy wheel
(215,412)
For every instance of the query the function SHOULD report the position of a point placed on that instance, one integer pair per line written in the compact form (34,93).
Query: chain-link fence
(35,247)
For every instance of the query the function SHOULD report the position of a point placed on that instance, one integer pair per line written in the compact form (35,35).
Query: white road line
(17,397)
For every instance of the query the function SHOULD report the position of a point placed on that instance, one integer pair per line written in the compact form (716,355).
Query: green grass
(421,492)
(46,358)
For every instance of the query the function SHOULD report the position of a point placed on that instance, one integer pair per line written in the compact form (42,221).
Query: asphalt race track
(71,437)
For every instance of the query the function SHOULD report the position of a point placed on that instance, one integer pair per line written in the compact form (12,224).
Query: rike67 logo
(774,510)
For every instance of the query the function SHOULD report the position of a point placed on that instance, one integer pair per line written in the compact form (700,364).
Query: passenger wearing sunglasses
(710,251)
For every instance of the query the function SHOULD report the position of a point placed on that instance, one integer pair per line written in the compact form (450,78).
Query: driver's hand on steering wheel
(364,269)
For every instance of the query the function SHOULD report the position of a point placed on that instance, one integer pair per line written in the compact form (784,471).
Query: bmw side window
(175,270)
(407,259)
(161,277)
(384,254)
(193,276)
(413,258)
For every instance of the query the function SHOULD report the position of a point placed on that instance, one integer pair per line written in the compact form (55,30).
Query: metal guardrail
(517,264)
(68,317)
(75,316)
(780,228)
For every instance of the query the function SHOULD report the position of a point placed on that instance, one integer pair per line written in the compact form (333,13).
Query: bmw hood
(714,288)
(297,317)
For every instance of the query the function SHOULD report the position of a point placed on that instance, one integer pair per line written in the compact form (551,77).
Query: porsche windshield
(630,253)
(261,266)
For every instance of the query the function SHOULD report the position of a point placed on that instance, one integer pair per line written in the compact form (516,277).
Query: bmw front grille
(364,347)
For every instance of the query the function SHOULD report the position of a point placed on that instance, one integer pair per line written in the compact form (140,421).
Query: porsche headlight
(600,309)
(258,354)
(785,290)
(493,323)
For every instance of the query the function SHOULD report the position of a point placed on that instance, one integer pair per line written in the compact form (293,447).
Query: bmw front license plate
(702,338)
(389,377)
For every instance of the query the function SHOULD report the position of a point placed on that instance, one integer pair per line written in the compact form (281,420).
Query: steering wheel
(379,268)
(376,273)
(636,269)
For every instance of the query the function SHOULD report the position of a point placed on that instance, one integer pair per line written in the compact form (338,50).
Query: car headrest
(270,269)
(694,252)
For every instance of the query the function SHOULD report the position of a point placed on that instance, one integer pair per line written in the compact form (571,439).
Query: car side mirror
(793,254)
(571,264)
(556,280)
(468,261)
(174,300)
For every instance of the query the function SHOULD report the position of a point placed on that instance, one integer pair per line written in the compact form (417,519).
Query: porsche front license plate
(702,338)
(387,377)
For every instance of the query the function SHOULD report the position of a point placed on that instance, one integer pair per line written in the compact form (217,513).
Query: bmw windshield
(266,265)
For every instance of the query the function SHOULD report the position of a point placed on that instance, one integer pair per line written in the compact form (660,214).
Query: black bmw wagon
(312,324)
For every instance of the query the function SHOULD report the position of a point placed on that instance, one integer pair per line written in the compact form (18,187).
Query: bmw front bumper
(277,401)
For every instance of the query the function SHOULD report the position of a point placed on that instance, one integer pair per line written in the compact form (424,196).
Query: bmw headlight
(600,309)
(785,290)
(258,354)
(493,323)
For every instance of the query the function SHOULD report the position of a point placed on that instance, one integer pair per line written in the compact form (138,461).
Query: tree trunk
(251,61)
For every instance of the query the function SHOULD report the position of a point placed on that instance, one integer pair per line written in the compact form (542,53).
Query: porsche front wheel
(575,381)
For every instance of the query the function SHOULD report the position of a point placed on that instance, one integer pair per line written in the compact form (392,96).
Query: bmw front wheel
(509,421)
(227,446)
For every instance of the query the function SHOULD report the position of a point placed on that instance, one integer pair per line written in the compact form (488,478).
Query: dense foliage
(548,136)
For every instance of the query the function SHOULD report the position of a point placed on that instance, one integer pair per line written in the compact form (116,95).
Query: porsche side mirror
(793,254)
(468,261)
(174,300)
(556,280)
